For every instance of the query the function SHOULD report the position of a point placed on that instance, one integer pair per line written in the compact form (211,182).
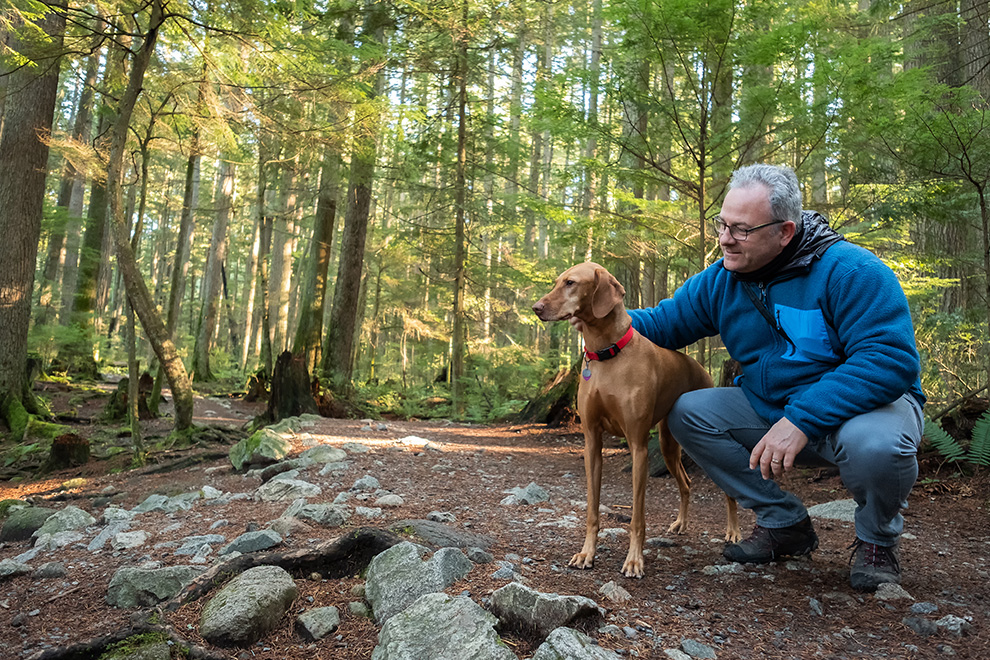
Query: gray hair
(782,183)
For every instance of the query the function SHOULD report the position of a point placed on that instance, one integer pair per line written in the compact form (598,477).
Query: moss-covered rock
(16,416)
(262,447)
(6,504)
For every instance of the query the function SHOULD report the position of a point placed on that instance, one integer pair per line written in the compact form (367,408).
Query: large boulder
(22,523)
(144,587)
(398,576)
(248,607)
(68,519)
(326,515)
(517,604)
(441,627)
(263,447)
(440,535)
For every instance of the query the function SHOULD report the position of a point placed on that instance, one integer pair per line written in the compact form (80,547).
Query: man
(830,373)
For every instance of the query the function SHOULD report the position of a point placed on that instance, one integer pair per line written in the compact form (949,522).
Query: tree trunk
(212,279)
(337,362)
(291,394)
(137,290)
(460,240)
(309,332)
(23,164)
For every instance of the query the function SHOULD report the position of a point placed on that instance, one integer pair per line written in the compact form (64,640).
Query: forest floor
(799,609)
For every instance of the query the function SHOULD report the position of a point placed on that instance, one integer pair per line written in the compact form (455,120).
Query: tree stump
(68,450)
(290,394)
(257,387)
(556,404)
(116,408)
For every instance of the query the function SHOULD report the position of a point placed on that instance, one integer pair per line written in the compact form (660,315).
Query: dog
(627,387)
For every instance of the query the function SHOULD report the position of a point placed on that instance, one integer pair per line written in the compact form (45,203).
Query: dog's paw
(582,560)
(678,527)
(733,536)
(633,568)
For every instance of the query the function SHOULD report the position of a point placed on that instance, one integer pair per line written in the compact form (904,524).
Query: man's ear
(608,293)
(787,232)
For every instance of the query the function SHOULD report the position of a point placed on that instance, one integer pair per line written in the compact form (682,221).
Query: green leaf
(979,448)
(946,445)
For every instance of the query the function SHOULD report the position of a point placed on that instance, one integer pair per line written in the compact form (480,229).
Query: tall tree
(27,123)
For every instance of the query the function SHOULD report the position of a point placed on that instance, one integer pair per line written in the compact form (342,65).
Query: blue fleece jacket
(847,345)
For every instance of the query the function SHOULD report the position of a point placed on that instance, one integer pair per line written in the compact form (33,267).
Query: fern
(946,445)
(979,447)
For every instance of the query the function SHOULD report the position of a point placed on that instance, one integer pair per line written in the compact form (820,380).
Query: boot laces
(875,556)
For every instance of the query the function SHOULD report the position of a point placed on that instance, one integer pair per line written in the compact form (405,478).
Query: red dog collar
(610,351)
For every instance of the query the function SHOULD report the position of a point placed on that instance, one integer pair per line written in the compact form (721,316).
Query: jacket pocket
(808,333)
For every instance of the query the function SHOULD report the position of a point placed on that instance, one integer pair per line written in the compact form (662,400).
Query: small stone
(697,650)
(890,591)
(924,608)
(920,625)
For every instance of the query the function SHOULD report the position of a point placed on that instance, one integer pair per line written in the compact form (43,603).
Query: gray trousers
(876,454)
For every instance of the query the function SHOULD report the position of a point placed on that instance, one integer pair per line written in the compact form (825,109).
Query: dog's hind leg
(732,532)
(671,452)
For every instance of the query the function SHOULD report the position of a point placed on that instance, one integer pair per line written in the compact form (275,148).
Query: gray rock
(68,519)
(355,447)
(12,568)
(50,570)
(114,514)
(398,576)
(390,500)
(286,526)
(530,609)
(924,608)
(263,539)
(336,468)
(838,510)
(286,489)
(889,591)
(478,555)
(531,494)
(248,607)
(57,540)
(153,502)
(272,471)
(368,512)
(141,587)
(920,625)
(129,540)
(614,592)
(676,654)
(367,483)
(569,644)
(111,530)
(441,535)
(697,650)
(441,627)
(22,523)
(323,454)
(359,609)
(953,625)
(192,544)
(444,517)
(326,515)
(316,624)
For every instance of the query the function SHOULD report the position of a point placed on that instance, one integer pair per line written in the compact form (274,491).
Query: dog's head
(586,291)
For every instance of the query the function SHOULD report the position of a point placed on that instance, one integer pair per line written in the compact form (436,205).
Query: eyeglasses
(740,233)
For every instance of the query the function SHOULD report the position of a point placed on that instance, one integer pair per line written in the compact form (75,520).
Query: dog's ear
(608,293)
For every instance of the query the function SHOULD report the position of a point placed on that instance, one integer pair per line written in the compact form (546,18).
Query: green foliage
(131,645)
(978,452)
(16,416)
(18,452)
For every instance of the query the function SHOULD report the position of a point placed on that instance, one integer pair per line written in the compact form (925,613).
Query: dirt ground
(798,609)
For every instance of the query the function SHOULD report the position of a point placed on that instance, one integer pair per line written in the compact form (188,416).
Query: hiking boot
(766,545)
(873,565)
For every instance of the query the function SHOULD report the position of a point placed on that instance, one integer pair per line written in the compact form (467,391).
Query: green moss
(133,643)
(73,483)
(6,504)
(39,429)
(16,415)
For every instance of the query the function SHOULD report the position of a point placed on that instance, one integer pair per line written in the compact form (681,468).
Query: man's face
(747,208)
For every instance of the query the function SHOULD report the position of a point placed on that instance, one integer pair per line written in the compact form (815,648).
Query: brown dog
(628,386)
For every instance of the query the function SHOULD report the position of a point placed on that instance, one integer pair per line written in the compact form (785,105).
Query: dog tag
(586,374)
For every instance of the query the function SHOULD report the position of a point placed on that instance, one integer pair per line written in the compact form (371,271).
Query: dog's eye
(568,282)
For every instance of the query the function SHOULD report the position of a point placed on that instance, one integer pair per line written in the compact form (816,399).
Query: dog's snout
(538,306)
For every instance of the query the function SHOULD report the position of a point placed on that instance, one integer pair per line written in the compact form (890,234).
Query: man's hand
(775,453)
(577,324)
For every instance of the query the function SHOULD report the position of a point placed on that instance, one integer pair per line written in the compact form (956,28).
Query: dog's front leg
(593,474)
(634,564)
